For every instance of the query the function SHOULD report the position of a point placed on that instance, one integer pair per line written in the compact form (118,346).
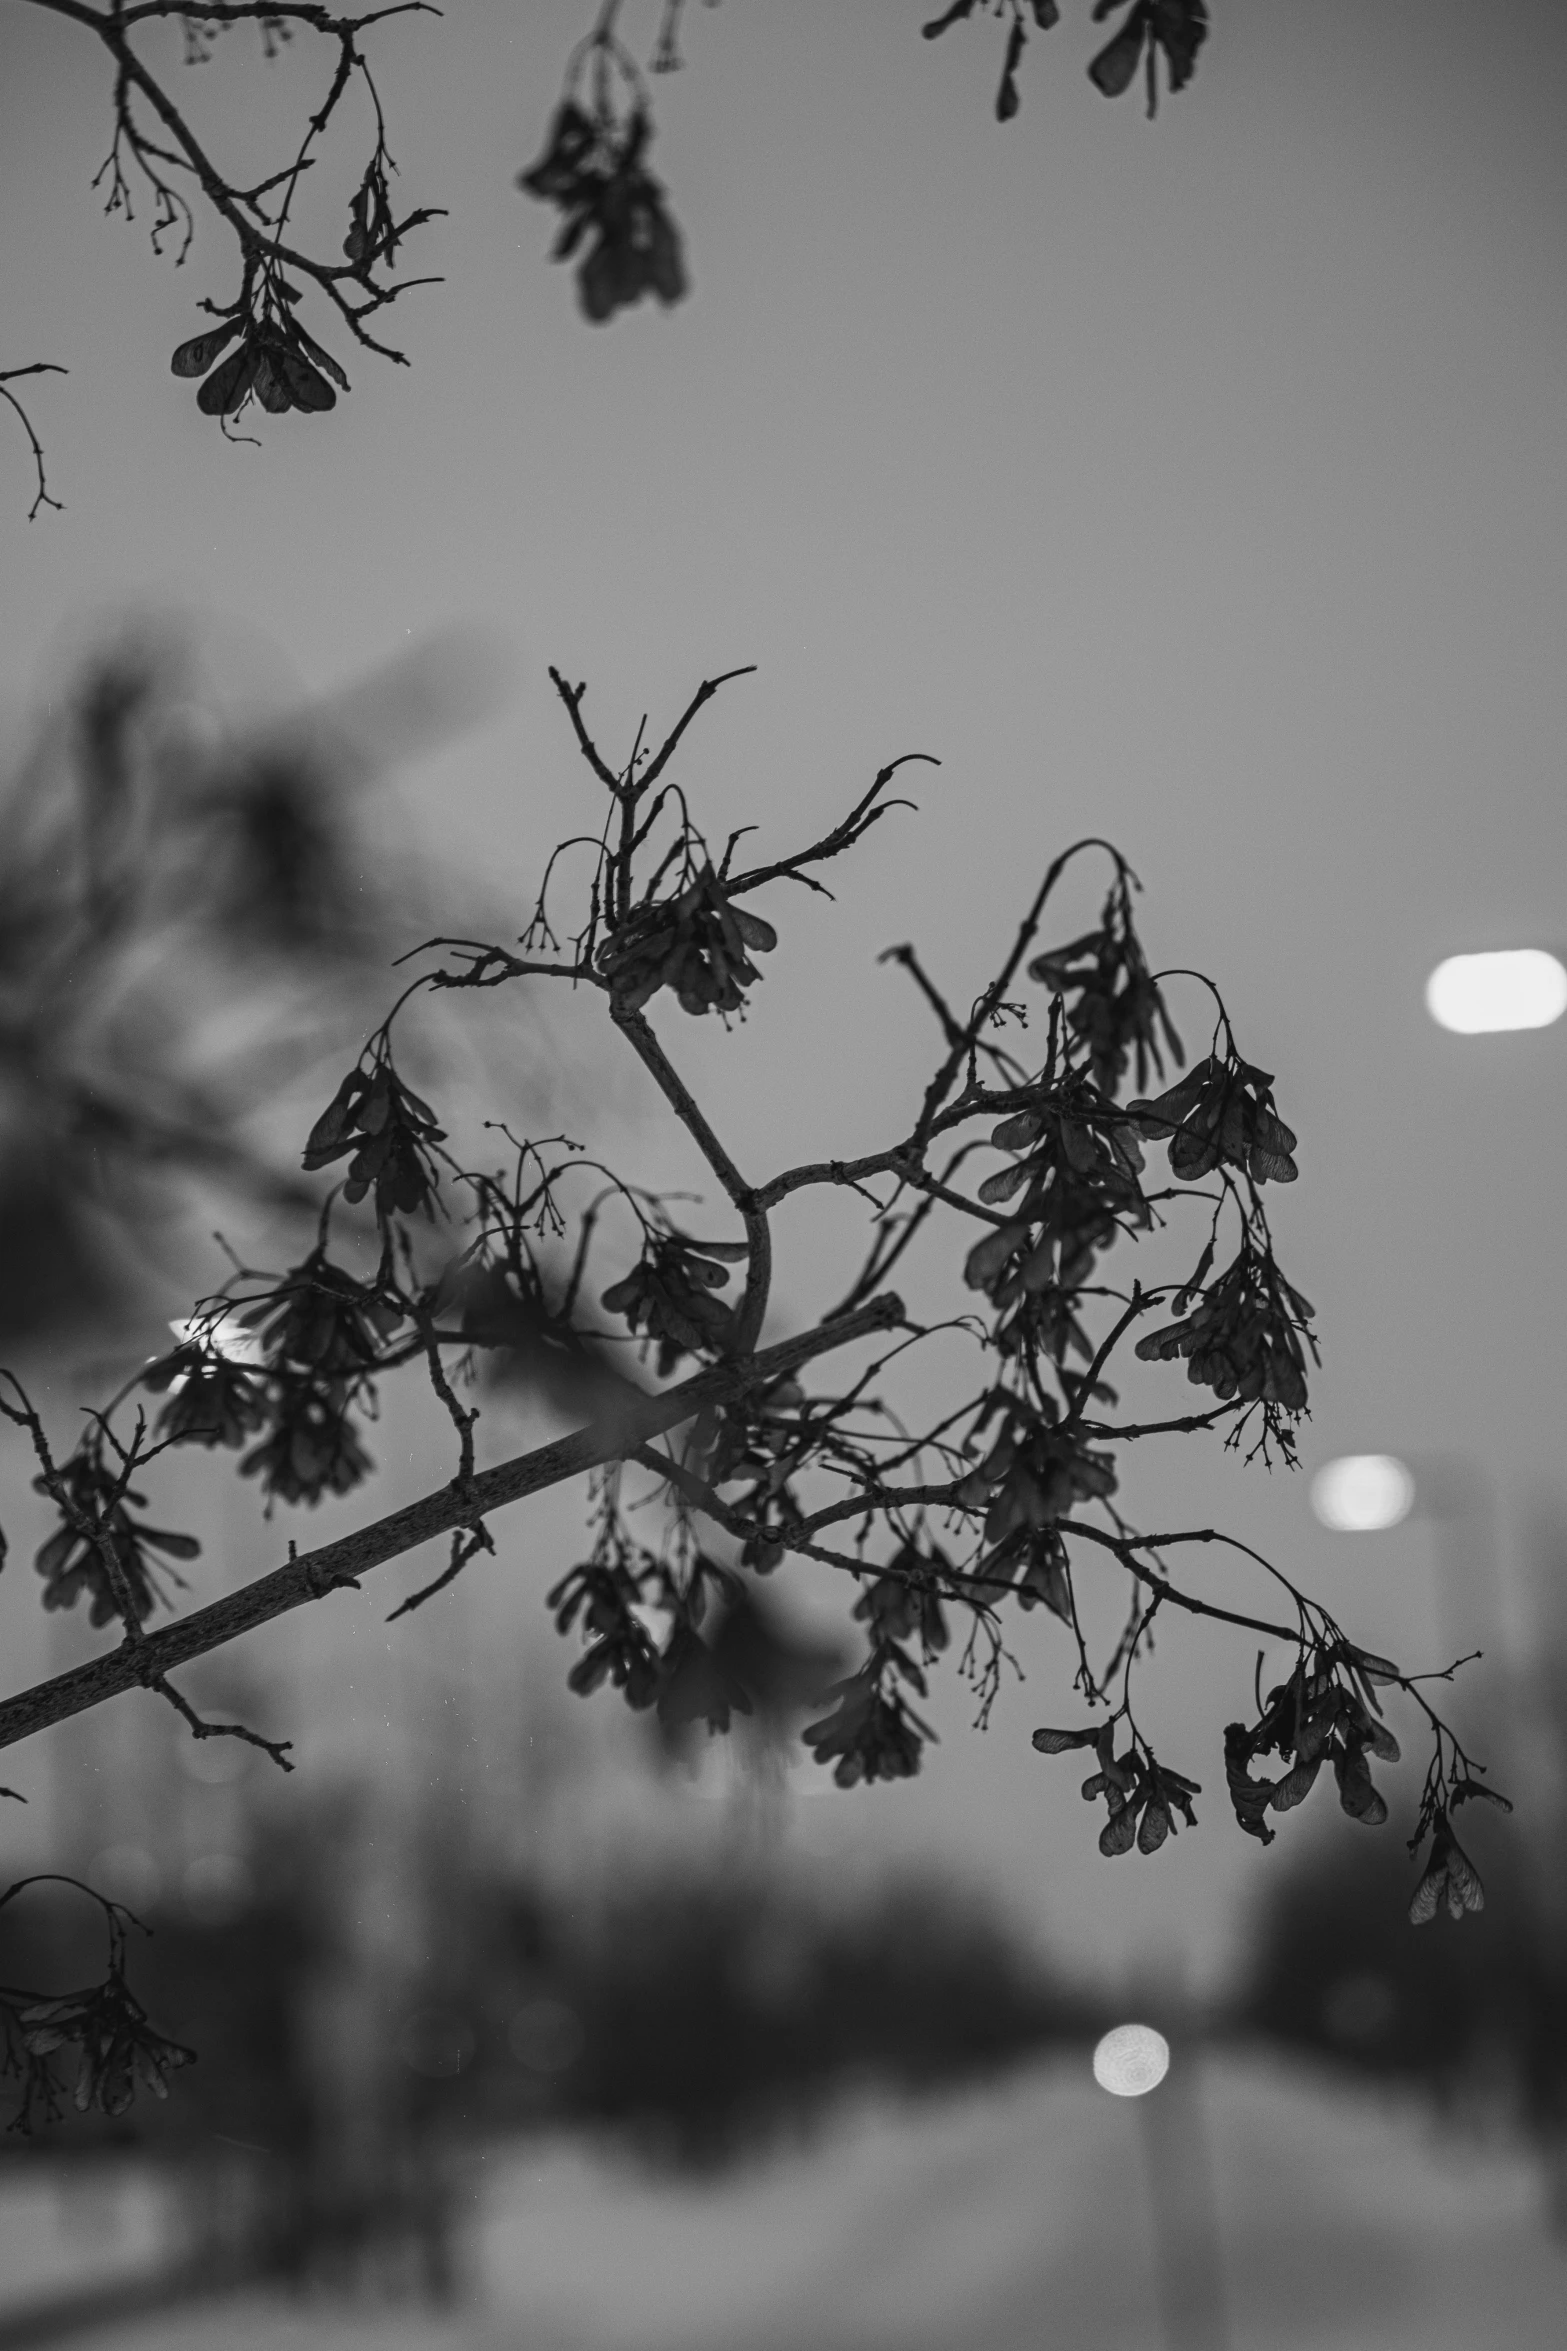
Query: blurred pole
(1459,1501)
(1179,2162)
(1512,1707)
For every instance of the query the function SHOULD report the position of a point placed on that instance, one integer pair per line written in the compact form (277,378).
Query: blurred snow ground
(1012,2219)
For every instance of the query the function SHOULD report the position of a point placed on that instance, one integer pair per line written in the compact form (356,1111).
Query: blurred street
(1005,2219)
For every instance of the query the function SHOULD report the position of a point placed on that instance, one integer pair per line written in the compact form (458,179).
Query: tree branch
(9,375)
(941,1084)
(260,242)
(311,1575)
(759,1266)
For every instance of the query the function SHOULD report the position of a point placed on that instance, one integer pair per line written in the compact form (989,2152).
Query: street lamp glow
(1522,989)
(1362,1492)
(1131,2060)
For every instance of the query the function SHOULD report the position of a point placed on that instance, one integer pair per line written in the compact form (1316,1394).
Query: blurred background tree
(1478,2021)
(195,913)
(377,1996)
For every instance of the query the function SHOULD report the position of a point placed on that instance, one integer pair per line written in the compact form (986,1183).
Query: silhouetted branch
(1014,1475)
(11,375)
(274,358)
(311,1575)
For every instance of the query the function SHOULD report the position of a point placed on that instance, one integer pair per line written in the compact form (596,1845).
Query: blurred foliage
(1337,1971)
(235,1982)
(1478,2019)
(721,2007)
(693,2006)
(94,2040)
(190,914)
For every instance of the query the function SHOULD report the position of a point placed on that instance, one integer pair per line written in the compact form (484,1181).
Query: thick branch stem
(758,1233)
(312,1574)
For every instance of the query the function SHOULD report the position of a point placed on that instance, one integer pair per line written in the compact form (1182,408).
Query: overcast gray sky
(1199,482)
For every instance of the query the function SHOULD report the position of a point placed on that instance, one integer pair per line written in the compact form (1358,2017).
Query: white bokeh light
(1362,1492)
(1131,2060)
(1473,994)
(223,1336)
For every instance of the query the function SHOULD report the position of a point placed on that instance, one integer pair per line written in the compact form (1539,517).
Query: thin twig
(11,375)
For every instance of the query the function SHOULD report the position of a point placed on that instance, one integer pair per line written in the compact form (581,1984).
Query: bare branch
(905,955)
(843,835)
(200,1729)
(946,1076)
(758,1233)
(11,375)
(276,361)
(572,698)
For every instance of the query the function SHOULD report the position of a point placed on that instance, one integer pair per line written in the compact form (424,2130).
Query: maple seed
(1057,1742)
(357,242)
(1172,29)
(228,387)
(1113,68)
(276,363)
(1450,1876)
(270,388)
(307,388)
(195,357)
(323,359)
(593,171)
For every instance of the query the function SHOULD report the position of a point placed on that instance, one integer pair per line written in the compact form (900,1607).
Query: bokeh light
(126,1873)
(546,2036)
(1362,1492)
(1131,2060)
(437,2043)
(1522,989)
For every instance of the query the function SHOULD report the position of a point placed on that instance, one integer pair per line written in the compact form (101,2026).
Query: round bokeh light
(1131,2060)
(1361,1493)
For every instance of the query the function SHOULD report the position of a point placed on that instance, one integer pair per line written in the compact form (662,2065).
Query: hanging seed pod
(307,387)
(270,389)
(357,242)
(1112,70)
(312,349)
(195,357)
(229,386)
